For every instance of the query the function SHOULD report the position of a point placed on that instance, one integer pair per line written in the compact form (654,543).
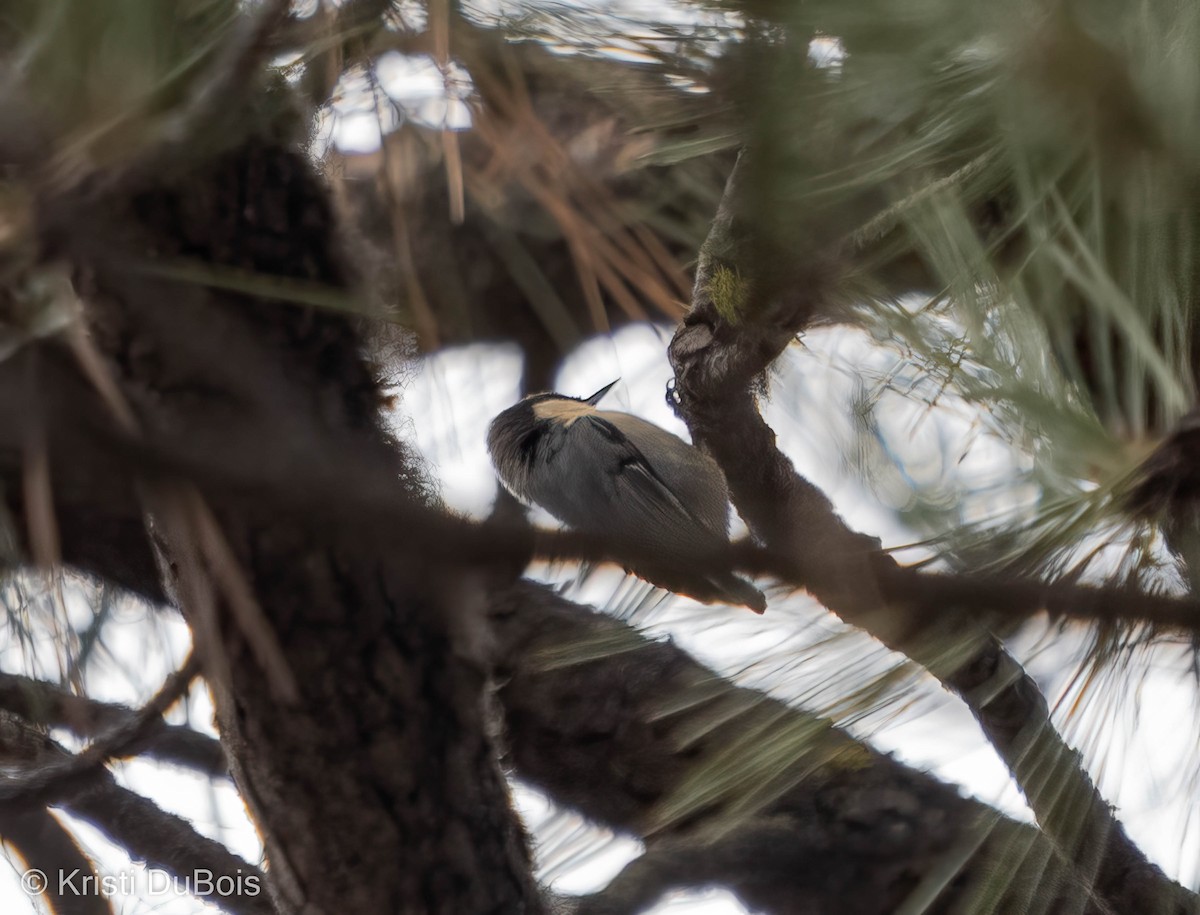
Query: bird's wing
(600,464)
(691,476)
(638,487)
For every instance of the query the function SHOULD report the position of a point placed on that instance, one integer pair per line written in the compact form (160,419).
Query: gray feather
(618,475)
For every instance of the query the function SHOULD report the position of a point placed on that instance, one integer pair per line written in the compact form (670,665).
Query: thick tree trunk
(365,757)
(356,718)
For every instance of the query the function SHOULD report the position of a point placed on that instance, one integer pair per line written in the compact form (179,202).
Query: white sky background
(796,651)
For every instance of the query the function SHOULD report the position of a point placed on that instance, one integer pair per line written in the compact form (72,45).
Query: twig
(143,829)
(47,704)
(52,783)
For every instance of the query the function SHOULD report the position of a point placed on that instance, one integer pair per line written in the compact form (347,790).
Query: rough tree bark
(367,760)
(384,653)
(724,344)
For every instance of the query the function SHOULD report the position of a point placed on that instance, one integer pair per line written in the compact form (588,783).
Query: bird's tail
(708,587)
(734,590)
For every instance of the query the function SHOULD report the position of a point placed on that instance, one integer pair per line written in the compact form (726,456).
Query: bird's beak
(595,398)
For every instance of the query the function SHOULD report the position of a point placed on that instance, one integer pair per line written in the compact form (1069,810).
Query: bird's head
(514,434)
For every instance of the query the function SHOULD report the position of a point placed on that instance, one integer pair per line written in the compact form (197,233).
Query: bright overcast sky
(445,411)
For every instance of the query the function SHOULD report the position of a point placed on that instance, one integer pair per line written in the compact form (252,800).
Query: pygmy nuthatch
(613,474)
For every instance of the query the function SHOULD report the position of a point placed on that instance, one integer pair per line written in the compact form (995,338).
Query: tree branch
(145,831)
(638,736)
(47,704)
(718,352)
(101,527)
(599,791)
(45,846)
(50,784)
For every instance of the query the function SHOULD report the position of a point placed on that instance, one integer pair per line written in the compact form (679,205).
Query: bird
(659,500)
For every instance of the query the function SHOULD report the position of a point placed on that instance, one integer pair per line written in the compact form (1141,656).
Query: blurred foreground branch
(728,786)
(137,825)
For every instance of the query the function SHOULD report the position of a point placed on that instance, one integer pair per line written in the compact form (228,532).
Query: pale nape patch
(564,411)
